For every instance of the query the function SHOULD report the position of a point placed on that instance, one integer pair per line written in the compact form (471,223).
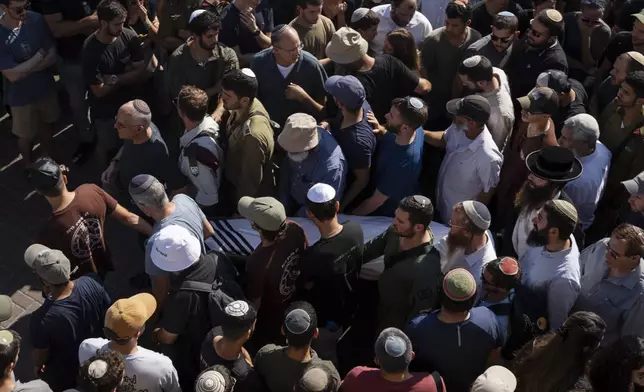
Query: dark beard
(532,198)
(538,237)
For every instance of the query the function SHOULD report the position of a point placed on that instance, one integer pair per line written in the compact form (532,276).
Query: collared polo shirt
(485,47)
(619,301)
(501,109)
(587,190)
(418,26)
(474,262)
(525,66)
(325,163)
(554,275)
(469,168)
(307,73)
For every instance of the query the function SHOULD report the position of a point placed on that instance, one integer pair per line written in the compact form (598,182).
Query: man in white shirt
(479,77)
(551,265)
(145,370)
(400,13)
(472,163)
(580,135)
(468,244)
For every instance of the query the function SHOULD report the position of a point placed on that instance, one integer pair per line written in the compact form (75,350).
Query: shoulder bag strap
(192,285)
(625,142)
(437,380)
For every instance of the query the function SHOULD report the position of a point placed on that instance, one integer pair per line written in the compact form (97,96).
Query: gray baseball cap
(51,265)
(635,186)
(266,212)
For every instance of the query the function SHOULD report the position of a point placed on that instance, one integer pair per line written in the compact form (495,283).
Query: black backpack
(222,291)
(528,313)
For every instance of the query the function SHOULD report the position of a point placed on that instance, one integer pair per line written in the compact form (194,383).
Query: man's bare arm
(436,139)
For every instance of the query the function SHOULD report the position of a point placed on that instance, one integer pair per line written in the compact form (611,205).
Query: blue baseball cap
(347,90)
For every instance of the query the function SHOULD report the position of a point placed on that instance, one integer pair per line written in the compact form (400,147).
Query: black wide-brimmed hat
(554,163)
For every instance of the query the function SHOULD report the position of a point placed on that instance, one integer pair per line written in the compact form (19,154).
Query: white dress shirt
(469,168)
(474,262)
(418,26)
(501,109)
(554,275)
(586,191)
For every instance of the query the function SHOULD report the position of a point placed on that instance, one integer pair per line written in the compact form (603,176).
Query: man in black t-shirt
(539,51)
(384,78)
(112,66)
(186,318)
(70,22)
(573,98)
(326,280)
(224,345)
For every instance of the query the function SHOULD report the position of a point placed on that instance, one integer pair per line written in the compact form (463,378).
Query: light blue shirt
(325,163)
(618,300)
(586,191)
(554,275)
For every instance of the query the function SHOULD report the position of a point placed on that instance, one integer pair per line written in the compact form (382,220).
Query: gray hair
(584,128)
(146,191)
(393,350)
(140,112)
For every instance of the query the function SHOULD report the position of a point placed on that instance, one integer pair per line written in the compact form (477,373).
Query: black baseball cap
(45,174)
(473,107)
(541,100)
(555,80)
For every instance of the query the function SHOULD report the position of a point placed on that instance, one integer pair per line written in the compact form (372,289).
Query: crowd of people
(499,137)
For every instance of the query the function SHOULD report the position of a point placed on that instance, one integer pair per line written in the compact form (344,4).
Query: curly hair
(101,373)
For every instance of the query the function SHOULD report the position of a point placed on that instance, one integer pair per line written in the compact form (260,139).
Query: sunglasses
(612,253)
(503,40)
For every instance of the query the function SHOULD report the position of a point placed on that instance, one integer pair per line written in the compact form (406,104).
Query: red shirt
(362,379)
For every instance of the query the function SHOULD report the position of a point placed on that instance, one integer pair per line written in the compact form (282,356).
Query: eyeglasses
(504,40)
(294,50)
(20,10)
(450,224)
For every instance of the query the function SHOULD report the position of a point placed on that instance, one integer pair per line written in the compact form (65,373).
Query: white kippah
(321,193)
(248,72)
(416,103)
(472,61)
(97,369)
(237,308)
(359,14)
(195,14)
(210,381)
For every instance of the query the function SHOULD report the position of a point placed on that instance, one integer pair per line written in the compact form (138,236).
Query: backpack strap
(437,380)
(270,122)
(193,285)
(190,150)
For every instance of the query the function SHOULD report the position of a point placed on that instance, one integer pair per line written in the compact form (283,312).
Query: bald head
(283,33)
(137,112)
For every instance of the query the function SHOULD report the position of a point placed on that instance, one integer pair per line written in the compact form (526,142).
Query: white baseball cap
(174,248)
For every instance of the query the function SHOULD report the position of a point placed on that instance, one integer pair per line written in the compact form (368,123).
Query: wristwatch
(256,32)
(113,79)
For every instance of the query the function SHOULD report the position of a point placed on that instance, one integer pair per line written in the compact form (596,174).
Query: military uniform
(249,157)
